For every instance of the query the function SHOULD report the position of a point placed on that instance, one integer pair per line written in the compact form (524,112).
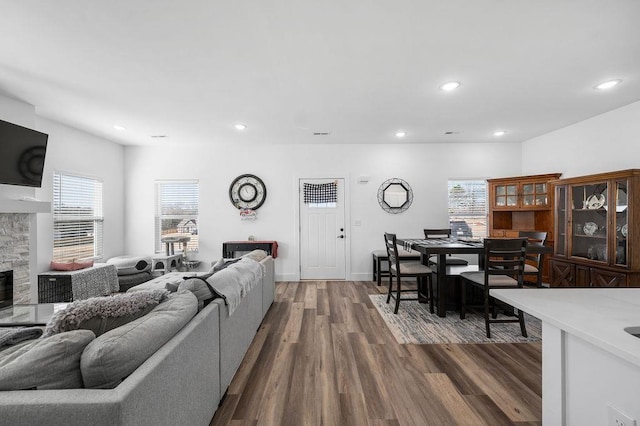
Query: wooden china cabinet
(596,242)
(522,203)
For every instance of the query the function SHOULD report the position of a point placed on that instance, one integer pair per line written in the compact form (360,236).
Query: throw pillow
(51,363)
(101,314)
(112,357)
(71,266)
(222,264)
(256,255)
(200,288)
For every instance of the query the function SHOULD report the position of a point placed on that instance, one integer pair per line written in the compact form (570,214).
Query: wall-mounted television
(22,153)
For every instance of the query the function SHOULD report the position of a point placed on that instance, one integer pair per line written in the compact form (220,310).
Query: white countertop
(598,316)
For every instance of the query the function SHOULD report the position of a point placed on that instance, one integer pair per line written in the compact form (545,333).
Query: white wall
(604,143)
(425,167)
(69,150)
(74,151)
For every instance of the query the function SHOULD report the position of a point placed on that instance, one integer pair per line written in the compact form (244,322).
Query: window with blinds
(77,217)
(468,208)
(177,213)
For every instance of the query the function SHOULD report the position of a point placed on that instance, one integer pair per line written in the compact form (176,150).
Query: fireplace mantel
(26,206)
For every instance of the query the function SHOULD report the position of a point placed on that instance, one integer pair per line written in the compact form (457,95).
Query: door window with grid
(77,217)
(468,208)
(177,213)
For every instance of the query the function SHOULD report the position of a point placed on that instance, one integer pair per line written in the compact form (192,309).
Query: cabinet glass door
(535,194)
(506,195)
(561,220)
(620,222)
(589,220)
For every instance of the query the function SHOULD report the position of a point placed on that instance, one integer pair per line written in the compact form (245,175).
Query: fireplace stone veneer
(14,252)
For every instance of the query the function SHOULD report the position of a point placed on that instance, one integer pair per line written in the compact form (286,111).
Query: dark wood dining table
(446,246)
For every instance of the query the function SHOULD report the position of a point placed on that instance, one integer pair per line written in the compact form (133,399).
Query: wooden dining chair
(533,262)
(442,233)
(400,270)
(504,268)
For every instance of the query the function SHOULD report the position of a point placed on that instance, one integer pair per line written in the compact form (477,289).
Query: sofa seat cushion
(47,363)
(112,357)
(129,265)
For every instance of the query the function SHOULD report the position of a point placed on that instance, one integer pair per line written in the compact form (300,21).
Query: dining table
(447,246)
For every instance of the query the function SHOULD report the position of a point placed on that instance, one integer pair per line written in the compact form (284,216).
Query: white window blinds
(77,217)
(468,208)
(177,204)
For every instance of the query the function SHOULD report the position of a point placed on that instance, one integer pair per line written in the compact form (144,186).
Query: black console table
(230,247)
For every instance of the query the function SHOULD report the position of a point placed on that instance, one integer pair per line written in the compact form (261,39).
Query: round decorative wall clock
(247,192)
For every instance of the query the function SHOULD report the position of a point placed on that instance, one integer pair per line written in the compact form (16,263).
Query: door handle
(340,236)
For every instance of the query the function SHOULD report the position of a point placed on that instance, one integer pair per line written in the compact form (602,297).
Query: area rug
(413,324)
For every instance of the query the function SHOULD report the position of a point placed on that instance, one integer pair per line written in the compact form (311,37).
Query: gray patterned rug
(415,325)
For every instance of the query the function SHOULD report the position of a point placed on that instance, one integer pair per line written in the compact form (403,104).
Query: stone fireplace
(14,252)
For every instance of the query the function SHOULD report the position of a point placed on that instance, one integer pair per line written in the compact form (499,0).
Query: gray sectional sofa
(181,383)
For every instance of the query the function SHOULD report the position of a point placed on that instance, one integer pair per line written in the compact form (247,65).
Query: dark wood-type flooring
(323,356)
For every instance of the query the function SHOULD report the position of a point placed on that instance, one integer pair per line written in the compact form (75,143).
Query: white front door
(322,234)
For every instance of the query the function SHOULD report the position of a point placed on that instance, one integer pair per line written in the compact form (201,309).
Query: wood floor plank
(311,296)
(324,356)
(328,403)
(346,367)
(322,306)
(373,384)
(454,402)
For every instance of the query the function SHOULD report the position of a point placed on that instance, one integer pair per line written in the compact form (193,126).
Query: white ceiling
(359,69)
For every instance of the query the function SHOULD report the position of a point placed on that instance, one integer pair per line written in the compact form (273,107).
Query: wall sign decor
(247,192)
(395,195)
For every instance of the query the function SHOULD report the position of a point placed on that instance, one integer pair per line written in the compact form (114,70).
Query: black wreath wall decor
(395,195)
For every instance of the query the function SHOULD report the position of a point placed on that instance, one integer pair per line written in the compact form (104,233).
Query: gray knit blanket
(10,336)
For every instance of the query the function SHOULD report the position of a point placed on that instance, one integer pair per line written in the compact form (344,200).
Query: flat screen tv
(22,154)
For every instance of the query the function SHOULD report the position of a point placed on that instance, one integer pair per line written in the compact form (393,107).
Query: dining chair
(400,270)
(442,233)
(503,268)
(533,262)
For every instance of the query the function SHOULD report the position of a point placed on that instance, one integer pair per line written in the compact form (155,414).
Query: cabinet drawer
(601,278)
(561,273)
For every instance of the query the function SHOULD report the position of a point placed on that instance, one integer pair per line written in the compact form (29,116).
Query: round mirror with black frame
(395,195)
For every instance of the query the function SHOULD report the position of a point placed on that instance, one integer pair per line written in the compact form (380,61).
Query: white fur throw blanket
(237,280)
(118,305)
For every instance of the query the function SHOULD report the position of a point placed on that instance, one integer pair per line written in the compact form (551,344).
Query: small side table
(230,247)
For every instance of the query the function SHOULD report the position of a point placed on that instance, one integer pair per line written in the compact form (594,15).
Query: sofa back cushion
(116,354)
(47,363)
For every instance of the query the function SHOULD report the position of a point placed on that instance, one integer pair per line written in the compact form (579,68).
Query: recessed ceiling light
(499,133)
(401,134)
(240,126)
(119,127)
(608,84)
(452,85)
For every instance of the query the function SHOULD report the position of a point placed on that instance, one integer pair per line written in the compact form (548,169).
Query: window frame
(193,245)
(88,192)
(478,214)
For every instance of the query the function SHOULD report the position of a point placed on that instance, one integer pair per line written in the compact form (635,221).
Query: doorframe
(347,220)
